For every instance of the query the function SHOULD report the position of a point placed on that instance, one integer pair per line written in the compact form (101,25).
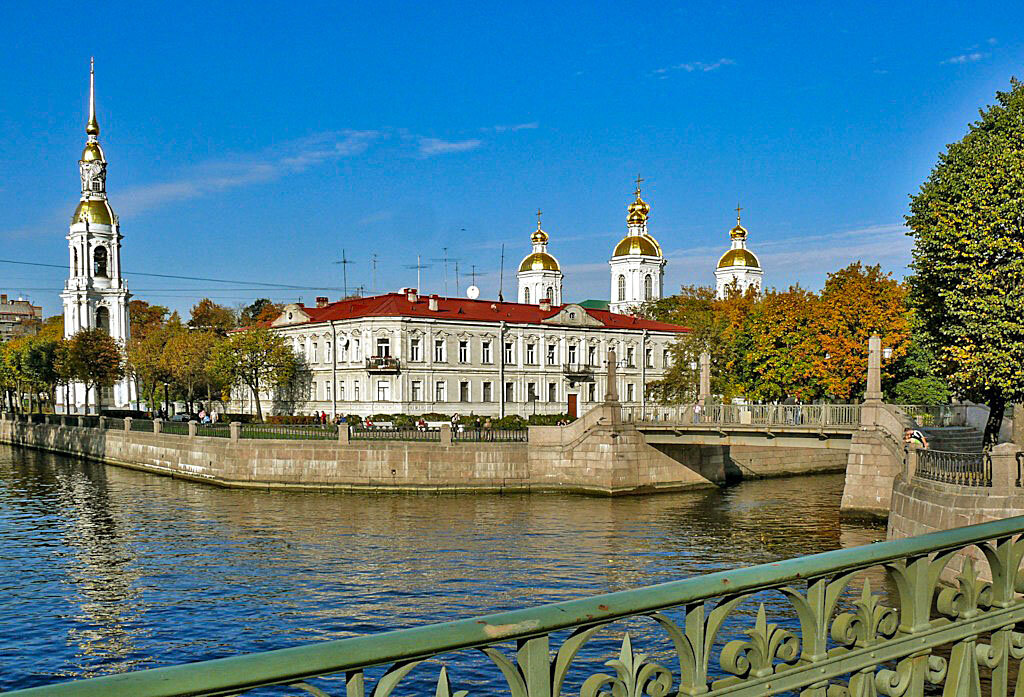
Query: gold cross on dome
(738,209)
(538,218)
(639,181)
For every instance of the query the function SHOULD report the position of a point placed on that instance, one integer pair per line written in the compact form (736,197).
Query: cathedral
(739,266)
(95,295)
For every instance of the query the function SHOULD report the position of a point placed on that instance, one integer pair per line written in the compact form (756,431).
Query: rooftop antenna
(373,288)
(418,266)
(472,273)
(344,271)
(458,284)
(501,275)
(445,259)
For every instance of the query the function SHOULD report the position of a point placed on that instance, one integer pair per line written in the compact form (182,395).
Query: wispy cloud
(209,177)
(694,67)
(512,127)
(973,57)
(429,147)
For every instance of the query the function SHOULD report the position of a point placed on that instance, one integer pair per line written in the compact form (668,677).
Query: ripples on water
(104,570)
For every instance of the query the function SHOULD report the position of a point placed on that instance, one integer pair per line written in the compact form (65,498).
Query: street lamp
(887,352)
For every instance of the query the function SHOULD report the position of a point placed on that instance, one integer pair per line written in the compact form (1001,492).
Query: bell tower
(637,263)
(95,295)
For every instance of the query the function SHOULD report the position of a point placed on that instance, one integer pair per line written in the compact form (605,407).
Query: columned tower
(739,265)
(539,275)
(94,295)
(638,266)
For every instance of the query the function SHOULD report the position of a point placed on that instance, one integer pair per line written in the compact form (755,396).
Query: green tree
(209,316)
(967,222)
(94,358)
(256,358)
(261,310)
(144,318)
(188,357)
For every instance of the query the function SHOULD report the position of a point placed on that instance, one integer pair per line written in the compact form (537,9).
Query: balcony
(378,365)
(578,372)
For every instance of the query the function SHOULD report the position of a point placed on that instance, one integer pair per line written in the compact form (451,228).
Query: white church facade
(738,267)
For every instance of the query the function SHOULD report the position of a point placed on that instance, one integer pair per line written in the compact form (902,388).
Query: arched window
(648,287)
(99,262)
(550,295)
(526,295)
(74,253)
(103,319)
(622,287)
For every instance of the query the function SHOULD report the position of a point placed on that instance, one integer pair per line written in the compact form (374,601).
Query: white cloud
(513,127)
(289,158)
(436,146)
(694,67)
(965,58)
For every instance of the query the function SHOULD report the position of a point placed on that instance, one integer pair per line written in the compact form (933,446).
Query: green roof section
(594,304)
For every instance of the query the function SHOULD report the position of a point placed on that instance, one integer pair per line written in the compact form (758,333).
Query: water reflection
(108,569)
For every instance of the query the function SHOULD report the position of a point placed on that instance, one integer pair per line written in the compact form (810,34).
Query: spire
(539,237)
(93,127)
(738,209)
(638,210)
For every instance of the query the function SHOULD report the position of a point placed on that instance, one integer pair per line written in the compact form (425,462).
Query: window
(648,287)
(315,389)
(485,352)
(664,358)
(74,264)
(572,354)
(649,358)
(622,287)
(441,391)
(355,390)
(552,354)
(383,391)
(463,352)
(510,392)
(552,392)
(591,355)
(356,354)
(327,352)
(630,392)
(531,354)
(417,391)
(550,294)
(99,262)
(531,392)
(383,347)
(415,350)
(341,391)
(487,396)
(464,391)
(439,350)
(328,386)
(312,352)
(343,350)
(592,392)
(526,295)
(103,319)
(509,353)
(630,357)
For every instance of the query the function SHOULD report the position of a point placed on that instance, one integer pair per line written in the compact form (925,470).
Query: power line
(183,278)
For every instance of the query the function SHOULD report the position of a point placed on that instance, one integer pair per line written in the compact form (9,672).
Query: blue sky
(255,142)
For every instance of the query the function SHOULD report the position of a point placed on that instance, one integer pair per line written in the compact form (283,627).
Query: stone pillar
(81,422)
(1004,467)
(611,392)
(157,425)
(874,391)
(127,423)
(1018,425)
(343,433)
(236,430)
(913,453)
(192,429)
(102,422)
(705,378)
(446,434)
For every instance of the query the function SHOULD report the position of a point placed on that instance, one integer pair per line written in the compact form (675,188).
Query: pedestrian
(696,413)
(323,418)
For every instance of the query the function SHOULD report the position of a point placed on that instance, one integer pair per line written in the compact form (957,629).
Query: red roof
(464,309)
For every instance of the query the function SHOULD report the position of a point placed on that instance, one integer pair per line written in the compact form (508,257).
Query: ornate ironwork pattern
(810,416)
(964,469)
(833,649)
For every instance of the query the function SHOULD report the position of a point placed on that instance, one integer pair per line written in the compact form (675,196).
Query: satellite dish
(473,292)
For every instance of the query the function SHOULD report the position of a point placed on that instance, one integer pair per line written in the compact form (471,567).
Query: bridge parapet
(780,416)
(827,632)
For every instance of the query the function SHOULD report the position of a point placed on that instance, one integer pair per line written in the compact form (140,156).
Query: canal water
(105,570)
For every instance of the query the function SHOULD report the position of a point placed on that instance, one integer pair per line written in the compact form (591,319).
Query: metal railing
(834,636)
(424,434)
(936,415)
(175,428)
(491,435)
(214,430)
(145,425)
(382,364)
(965,469)
(289,431)
(837,416)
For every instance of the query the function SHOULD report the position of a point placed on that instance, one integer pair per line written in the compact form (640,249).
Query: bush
(240,418)
(122,413)
(929,390)
(514,423)
(549,419)
(291,419)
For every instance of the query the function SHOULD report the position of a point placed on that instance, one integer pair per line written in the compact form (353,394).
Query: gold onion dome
(539,236)
(92,153)
(637,245)
(739,232)
(539,261)
(638,211)
(95,211)
(739,257)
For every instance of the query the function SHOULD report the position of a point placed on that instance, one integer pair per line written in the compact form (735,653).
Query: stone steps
(960,439)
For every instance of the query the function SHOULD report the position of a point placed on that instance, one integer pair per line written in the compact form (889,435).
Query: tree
(967,222)
(209,316)
(94,358)
(144,318)
(187,357)
(261,310)
(257,359)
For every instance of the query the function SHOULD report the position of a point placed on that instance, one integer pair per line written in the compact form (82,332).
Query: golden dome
(539,236)
(92,152)
(638,211)
(637,245)
(739,232)
(96,211)
(539,261)
(738,257)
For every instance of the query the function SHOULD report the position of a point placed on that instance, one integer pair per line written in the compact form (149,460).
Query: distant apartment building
(18,318)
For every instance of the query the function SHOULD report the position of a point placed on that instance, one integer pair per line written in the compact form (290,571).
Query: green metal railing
(289,431)
(934,635)
(424,434)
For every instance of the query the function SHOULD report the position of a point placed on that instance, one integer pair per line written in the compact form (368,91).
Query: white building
(94,295)
(404,353)
(637,264)
(539,275)
(738,265)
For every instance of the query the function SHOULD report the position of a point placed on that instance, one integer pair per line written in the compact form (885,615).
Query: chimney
(545,304)
(321,301)
(432,303)
(3,298)
(410,293)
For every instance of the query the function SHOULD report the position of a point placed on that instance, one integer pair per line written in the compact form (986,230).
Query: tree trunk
(167,401)
(997,407)
(256,398)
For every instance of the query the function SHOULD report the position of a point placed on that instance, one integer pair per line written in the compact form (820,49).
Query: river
(105,570)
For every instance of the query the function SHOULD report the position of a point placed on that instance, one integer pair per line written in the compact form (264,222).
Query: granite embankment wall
(595,454)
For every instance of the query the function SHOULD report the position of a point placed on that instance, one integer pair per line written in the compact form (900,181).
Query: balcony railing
(578,372)
(382,364)
(964,469)
(833,636)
